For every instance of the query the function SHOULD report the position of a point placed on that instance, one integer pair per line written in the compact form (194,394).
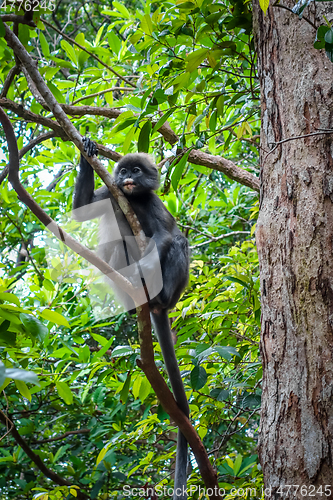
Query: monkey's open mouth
(129,185)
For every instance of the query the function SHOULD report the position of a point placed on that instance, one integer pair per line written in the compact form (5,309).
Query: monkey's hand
(89,146)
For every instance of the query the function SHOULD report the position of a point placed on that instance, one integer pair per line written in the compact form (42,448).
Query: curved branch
(73,134)
(36,459)
(28,116)
(27,199)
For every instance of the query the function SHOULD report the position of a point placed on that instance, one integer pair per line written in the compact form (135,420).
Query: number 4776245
(28,5)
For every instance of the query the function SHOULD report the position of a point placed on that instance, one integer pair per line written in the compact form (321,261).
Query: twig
(62,436)
(290,10)
(8,421)
(10,77)
(217,238)
(26,247)
(25,149)
(324,132)
(228,434)
(123,89)
(118,75)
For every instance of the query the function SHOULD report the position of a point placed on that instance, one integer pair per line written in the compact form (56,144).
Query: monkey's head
(135,174)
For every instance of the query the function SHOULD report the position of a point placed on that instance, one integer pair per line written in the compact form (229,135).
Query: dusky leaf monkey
(137,178)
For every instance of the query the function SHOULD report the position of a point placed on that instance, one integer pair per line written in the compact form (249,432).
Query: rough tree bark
(295,246)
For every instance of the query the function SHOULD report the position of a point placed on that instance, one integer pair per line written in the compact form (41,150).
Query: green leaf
(128,140)
(122,117)
(44,44)
(143,140)
(64,392)
(102,351)
(56,92)
(54,317)
(227,352)
(99,34)
(213,121)
(144,389)
(122,351)
(247,463)
(83,56)
(34,326)
(61,62)
(99,338)
(147,25)
(220,394)
(114,42)
(236,280)
(237,463)
(10,297)
(194,59)
(125,389)
(329,51)
(126,123)
(329,36)
(178,170)
(121,8)
(264,5)
(136,386)
(24,375)
(69,51)
(198,377)
(23,389)
(220,105)
(319,42)
(251,401)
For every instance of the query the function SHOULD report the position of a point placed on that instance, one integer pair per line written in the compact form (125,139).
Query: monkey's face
(136,175)
(129,180)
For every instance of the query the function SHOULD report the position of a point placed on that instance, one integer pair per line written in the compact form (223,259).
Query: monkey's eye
(123,171)
(136,170)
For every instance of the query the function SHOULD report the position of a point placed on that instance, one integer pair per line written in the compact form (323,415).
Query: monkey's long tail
(162,329)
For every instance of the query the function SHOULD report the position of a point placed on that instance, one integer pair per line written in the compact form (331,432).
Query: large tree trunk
(295,246)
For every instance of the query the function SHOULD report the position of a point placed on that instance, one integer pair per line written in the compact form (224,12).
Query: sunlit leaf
(54,317)
(64,392)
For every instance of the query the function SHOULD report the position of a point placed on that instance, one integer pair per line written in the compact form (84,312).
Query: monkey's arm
(84,193)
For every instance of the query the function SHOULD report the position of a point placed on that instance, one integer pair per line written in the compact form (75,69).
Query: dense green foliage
(91,415)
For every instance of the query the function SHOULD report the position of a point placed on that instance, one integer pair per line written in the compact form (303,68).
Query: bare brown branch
(196,157)
(13,18)
(148,366)
(15,70)
(226,166)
